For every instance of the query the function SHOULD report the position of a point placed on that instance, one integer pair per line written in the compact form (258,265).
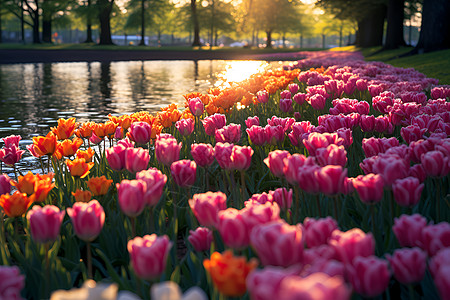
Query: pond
(34,96)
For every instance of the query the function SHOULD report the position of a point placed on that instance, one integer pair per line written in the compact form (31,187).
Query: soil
(13,56)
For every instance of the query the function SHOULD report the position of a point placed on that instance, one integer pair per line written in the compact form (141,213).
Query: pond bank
(13,56)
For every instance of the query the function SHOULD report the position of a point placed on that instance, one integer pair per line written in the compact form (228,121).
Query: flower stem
(133,226)
(89,259)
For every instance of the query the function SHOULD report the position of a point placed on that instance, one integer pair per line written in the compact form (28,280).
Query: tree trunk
(284,41)
(435,28)
(22,22)
(105,8)
(1,31)
(142,43)
(301,41)
(35,17)
(46,23)
(323,41)
(370,29)
(394,31)
(269,39)
(196,41)
(89,24)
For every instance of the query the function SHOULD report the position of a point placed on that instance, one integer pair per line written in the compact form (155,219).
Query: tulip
(214,122)
(252,121)
(282,197)
(203,154)
(275,162)
(436,237)
(45,223)
(263,96)
(291,165)
(317,101)
(317,140)
(87,219)
(136,159)
(11,155)
(331,179)
(140,132)
(185,126)
(293,88)
(5,184)
(26,184)
(264,284)
(314,286)
(241,157)
(259,199)
(184,172)
(307,178)
(232,228)
(78,167)
(369,188)
(442,281)
(155,181)
(383,124)
(30,148)
(12,140)
(131,197)
(148,255)
(278,243)
(274,134)
(407,191)
(318,231)
(42,187)
(369,276)
(228,134)
(229,272)
(116,157)
(167,150)
(15,205)
(420,147)
(257,135)
(286,105)
(70,147)
(331,155)
(367,123)
(440,260)
(95,139)
(87,154)
(99,185)
(391,168)
(351,244)
(119,134)
(412,133)
(12,282)
(196,106)
(65,128)
(82,196)
(300,98)
(408,264)
(201,238)
(222,154)
(206,207)
(435,164)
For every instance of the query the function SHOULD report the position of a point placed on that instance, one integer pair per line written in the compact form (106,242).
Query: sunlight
(236,71)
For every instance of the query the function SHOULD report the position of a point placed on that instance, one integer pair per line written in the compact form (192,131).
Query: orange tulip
(42,187)
(45,145)
(99,185)
(82,196)
(86,154)
(65,128)
(100,130)
(85,130)
(78,167)
(25,184)
(229,272)
(15,205)
(70,147)
(110,129)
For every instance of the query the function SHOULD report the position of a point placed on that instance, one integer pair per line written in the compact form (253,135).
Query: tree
(195,23)
(104,14)
(395,18)
(52,9)
(435,27)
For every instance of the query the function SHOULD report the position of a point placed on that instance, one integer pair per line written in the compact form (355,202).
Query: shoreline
(21,56)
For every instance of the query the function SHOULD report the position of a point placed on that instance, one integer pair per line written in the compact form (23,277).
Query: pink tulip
(257,135)
(263,96)
(116,157)
(278,243)
(285,94)
(307,178)
(185,126)
(408,230)
(94,139)
(252,121)
(351,244)
(435,164)
(30,148)
(369,188)
(12,140)
(417,171)
(184,172)
(140,132)
(232,228)
(439,260)
(222,153)
(282,197)
(119,134)
(318,231)
(317,140)
(275,162)
(11,154)
(412,133)
(155,181)
(257,214)
(407,191)
(331,155)
(367,123)
(259,199)
(391,168)
(314,286)
(383,124)
(436,237)
(420,147)
(214,122)
(127,143)
(442,282)
(291,165)
(167,150)
(131,197)
(369,276)
(87,219)
(331,179)
(371,146)
(228,134)
(274,134)
(203,154)
(196,106)
(206,207)
(12,282)
(317,101)
(408,264)
(330,267)
(5,184)
(361,84)
(300,98)
(45,223)
(148,255)
(293,88)
(200,238)
(241,157)
(136,159)
(286,105)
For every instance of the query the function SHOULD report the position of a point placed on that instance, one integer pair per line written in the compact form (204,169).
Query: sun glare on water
(237,71)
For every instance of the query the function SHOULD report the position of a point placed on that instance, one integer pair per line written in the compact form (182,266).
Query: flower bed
(337,186)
